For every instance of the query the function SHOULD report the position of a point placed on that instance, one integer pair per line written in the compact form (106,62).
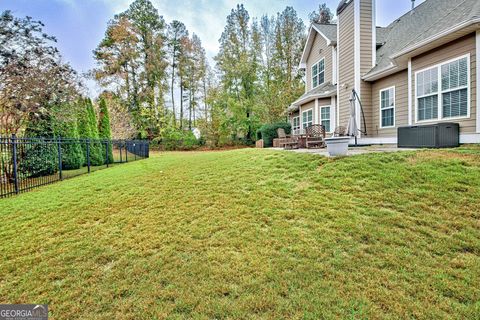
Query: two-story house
(420,69)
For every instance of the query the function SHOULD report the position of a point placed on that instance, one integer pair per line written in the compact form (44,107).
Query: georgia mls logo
(23,312)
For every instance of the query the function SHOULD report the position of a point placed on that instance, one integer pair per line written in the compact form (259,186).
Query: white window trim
(440,91)
(330,119)
(380,107)
(305,111)
(311,72)
(293,124)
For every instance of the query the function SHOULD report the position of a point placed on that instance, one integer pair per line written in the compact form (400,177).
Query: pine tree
(72,153)
(88,129)
(104,130)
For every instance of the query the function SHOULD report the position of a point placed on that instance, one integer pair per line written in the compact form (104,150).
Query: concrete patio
(352,151)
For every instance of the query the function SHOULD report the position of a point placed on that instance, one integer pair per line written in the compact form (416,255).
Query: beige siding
(449,51)
(400,82)
(366,60)
(319,50)
(346,58)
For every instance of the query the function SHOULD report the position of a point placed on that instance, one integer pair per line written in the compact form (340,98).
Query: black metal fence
(26,163)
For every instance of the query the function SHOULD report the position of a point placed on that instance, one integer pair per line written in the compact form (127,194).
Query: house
(420,69)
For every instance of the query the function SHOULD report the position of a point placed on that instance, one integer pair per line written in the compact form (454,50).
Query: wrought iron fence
(26,163)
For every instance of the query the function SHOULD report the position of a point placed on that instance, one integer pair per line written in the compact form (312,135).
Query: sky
(79,25)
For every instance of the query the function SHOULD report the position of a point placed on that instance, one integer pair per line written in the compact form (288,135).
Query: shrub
(268,132)
(88,129)
(176,140)
(72,153)
(39,159)
(104,131)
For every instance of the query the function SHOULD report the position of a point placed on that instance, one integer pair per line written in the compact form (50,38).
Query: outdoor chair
(340,131)
(315,136)
(283,138)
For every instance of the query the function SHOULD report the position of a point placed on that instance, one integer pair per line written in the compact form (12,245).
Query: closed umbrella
(352,121)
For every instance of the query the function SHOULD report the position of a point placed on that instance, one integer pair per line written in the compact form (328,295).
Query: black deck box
(438,135)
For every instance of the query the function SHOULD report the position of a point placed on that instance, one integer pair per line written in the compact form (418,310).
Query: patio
(352,151)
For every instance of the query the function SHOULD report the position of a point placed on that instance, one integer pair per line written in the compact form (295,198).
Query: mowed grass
(252,234)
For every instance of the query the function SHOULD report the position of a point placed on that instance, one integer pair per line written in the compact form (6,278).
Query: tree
(121,123)
(87,127)
(32,76)
(104,131)
(237,63)
(72,153)
(177,33)
(323,16)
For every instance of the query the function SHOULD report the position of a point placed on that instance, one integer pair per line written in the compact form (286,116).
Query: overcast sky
(79,25)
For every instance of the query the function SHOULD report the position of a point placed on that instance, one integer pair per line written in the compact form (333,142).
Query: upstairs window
(318,73)
(442,92)
(387,107)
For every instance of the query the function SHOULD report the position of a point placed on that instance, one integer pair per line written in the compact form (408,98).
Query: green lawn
(251,234)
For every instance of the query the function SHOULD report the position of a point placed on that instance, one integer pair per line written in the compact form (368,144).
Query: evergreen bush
(104,130)
(268,132)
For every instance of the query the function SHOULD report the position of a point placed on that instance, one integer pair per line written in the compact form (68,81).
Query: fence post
(15,168)
(88,155)
(120,147)
(106,152)
(135,150)
(126,151)
(59,146)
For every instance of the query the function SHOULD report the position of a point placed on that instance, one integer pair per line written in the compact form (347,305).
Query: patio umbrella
(352,121)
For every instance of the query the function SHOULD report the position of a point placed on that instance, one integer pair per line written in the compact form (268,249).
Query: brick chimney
(356,49)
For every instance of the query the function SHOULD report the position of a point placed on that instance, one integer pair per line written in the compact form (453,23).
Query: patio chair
(291,143)
(340,131)
(315,136)
(283,138)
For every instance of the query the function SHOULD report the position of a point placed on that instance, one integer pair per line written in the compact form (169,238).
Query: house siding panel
(446,52)
(346,74)
(366,21)
(400,82)
(319,44)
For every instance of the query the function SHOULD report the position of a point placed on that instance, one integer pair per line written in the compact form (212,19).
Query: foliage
(323,16)
(177,139)
(32,75)
(72,153)
(104,131)
(253,233)
(88,129)
(39,159)
(268,132)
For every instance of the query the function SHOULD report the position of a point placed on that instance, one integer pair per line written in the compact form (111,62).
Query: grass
(252,234)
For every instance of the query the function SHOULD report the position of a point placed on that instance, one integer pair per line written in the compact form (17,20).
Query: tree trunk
(172,87)
(181,102)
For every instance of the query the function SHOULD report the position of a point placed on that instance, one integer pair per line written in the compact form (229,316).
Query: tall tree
(177,33)
(323,16)
(237,64)
(33,79)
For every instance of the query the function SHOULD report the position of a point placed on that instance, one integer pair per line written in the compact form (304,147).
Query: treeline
(157,79)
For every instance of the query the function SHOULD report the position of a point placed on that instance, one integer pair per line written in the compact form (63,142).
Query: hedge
(268,132)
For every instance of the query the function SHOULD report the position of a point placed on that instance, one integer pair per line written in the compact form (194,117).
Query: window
(307,118)
(443,91)
(296,125)
(387,107)
(325,118)
(318,73)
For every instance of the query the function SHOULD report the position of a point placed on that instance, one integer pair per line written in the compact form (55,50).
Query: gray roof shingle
(326,89)
(329,30)
(429,18)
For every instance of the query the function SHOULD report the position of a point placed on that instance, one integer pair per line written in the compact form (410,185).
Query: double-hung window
(318,73)
(296,125)
(325,118)
(307,118)
(442,91)
(387,107)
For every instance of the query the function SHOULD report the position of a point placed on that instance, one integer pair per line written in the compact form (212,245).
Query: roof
(430,18)
(328,31)
(324,90)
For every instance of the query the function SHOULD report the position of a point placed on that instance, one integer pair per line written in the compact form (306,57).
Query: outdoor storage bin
(439,135)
